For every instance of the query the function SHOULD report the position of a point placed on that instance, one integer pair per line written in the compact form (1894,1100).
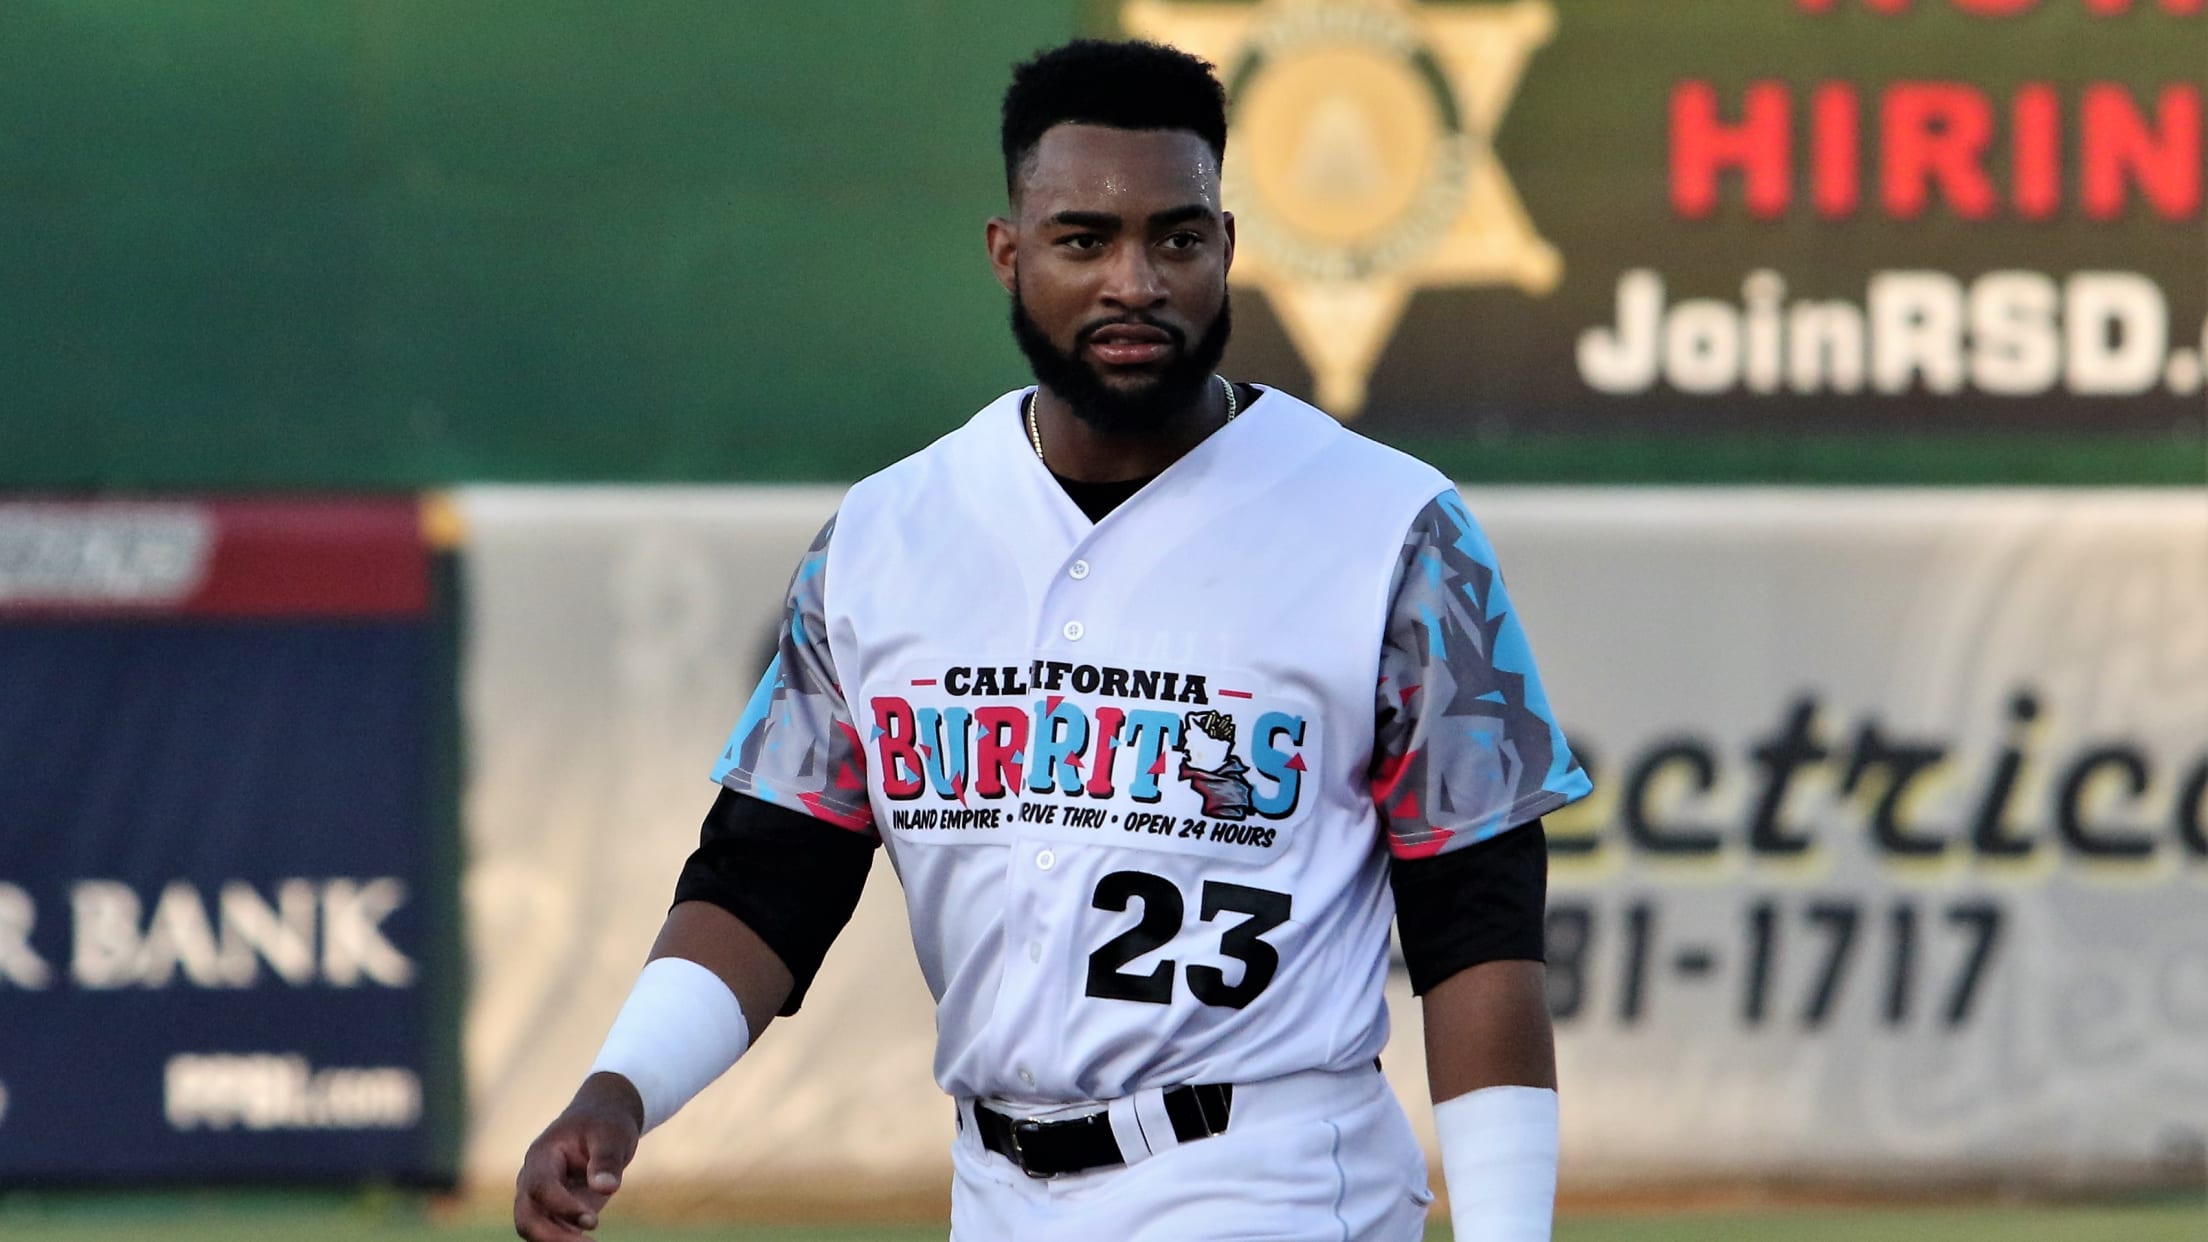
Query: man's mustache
(1089,330)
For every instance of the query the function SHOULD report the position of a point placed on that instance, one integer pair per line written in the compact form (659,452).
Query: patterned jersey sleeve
(796,745)
(1465,746)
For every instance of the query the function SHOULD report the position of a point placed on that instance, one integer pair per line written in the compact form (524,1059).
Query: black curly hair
(1130,85)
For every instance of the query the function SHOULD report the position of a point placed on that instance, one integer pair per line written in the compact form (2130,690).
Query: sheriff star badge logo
(1363,165)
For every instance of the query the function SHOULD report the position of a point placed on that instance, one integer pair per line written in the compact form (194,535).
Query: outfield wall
(1897,869)
(228,922)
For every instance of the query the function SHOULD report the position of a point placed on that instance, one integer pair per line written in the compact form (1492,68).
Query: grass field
(188,1221)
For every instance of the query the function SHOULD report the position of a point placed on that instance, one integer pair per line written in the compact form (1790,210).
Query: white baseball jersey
(1139,777)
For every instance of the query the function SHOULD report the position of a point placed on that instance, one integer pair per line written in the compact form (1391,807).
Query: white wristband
(1498,1152)
(680,1029)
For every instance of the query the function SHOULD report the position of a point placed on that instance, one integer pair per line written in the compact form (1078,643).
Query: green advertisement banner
(1732,218)
(396,243)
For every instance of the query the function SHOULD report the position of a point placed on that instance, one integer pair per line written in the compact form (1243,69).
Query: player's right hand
(574,1167)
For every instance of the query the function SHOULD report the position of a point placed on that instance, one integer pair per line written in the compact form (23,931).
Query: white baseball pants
(1314,1157)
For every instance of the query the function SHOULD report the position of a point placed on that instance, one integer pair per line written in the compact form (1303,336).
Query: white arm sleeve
(1498,1152)
(680,1029)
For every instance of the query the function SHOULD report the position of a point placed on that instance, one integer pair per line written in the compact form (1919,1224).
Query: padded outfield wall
(229,912)
(1895,873)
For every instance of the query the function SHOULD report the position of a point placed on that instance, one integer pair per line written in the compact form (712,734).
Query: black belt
(1055,1148)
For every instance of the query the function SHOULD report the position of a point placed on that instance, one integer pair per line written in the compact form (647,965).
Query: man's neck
(1075,449)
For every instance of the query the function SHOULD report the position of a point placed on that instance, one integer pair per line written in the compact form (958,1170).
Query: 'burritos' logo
(1364,164)
(1209,765)
(1164,738)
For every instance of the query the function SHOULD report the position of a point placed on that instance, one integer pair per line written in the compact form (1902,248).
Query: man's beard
(1123,411)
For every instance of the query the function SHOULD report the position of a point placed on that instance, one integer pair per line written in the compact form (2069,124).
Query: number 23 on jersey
(1163,910)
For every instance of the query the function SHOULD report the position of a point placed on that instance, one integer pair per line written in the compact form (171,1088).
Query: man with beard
(1166,1027)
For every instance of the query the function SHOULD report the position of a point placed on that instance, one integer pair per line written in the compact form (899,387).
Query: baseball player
(1163,694)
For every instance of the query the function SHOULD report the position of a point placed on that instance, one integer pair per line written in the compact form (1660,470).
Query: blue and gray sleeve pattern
(796,745)
(1465,744)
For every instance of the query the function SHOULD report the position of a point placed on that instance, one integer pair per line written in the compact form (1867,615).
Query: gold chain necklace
(1035,433)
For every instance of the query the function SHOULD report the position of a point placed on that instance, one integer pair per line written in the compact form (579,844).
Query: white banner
(1896,869)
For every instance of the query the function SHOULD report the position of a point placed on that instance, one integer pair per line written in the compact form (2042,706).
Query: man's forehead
(1094,167)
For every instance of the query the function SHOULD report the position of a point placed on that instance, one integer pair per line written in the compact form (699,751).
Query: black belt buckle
(1050,1149)
(1013,1136)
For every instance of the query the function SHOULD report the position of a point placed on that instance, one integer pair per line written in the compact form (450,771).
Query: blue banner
(223,912)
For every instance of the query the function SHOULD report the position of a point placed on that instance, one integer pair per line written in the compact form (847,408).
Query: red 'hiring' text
(1954,144)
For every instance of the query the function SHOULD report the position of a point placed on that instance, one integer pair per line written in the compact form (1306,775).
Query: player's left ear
(1003,242)
(1227,221)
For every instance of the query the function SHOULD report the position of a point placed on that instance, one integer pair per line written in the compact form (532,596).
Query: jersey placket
(1039,970)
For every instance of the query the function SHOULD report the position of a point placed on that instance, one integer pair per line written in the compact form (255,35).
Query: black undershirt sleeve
(789,877)
(1482,903)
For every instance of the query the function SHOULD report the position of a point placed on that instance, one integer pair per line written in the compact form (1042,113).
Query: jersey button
(1045,861)
(1078,570)
(1034,952)
(1027,1077)
(1073,631)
